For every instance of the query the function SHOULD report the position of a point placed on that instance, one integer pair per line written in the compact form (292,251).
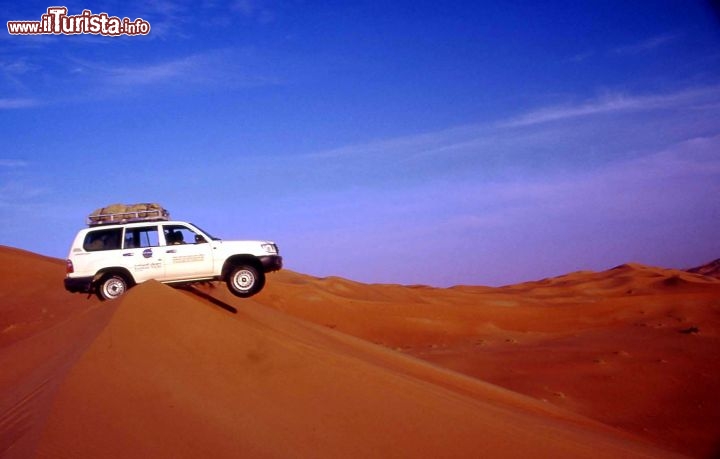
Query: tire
(111,287)
(245,281)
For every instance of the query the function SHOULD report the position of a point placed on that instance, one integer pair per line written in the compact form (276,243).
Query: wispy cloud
(184,68)
(614,103)
(26,83)
(647,44)
(644,46)
(13,163)
(397,146)
(16,103)
(581,57)
(554,113)
(502,134)
(228,68)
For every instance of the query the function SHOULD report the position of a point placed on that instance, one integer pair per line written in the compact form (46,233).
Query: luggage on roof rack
(128,213)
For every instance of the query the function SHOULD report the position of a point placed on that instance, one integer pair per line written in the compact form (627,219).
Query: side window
(178,234)
(104,239)
(136,238)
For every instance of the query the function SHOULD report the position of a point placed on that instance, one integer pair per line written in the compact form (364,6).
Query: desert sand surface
(621,363)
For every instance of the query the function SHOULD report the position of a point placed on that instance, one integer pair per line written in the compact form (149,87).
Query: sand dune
(614,364)
(711,269)
(635,347)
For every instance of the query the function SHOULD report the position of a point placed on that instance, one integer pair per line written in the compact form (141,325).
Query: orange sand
(615,364)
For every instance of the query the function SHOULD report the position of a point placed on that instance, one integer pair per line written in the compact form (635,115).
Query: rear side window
(107,239)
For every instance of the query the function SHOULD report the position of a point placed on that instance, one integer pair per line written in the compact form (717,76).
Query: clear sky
(441,143)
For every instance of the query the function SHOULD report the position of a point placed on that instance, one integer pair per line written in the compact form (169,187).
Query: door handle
(171,251)
(129,254)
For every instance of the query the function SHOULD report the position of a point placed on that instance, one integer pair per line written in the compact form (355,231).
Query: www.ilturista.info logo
(57,22)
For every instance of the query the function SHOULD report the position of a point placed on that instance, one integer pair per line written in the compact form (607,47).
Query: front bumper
(79,284)
(271,263)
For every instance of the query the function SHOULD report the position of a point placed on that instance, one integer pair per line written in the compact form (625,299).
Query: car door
(188,254)
(142,254)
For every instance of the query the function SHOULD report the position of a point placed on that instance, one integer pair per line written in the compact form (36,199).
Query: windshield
(206,233)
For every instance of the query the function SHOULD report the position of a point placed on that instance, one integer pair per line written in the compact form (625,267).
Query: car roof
(136,224)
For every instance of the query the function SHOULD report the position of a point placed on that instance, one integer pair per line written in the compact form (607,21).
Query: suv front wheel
(111,287)
(245,281)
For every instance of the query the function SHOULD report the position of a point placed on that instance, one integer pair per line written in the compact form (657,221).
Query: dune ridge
(711,269)
(288,393)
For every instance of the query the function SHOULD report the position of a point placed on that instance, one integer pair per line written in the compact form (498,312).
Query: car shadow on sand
(207,297)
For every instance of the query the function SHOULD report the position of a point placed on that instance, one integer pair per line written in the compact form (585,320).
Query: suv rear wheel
(245,281)
(111,287)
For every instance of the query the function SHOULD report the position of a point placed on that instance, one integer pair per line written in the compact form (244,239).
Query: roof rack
(129,214)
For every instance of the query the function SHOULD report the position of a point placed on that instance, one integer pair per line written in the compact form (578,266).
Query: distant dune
(620,363)
(711,269)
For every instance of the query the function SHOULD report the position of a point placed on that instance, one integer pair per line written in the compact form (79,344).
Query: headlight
(269,248)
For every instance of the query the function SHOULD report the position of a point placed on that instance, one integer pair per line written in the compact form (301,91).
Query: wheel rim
(113,288)
(243,279)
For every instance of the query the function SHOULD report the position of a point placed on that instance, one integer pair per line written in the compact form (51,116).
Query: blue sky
(438,143)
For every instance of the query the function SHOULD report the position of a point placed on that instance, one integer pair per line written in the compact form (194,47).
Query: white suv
(107,259)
